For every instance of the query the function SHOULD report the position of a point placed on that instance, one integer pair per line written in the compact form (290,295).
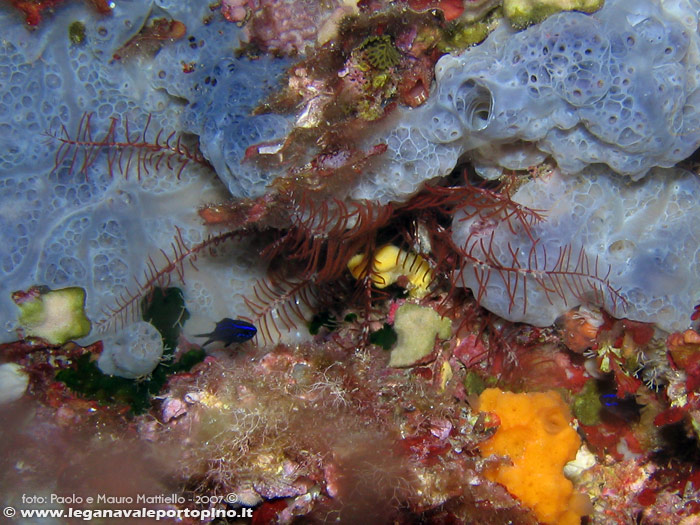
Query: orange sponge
(536,435)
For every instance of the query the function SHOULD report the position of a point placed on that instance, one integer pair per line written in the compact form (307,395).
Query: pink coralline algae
(287,27)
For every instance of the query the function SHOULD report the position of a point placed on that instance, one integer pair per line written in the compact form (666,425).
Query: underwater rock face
(618,87)
(328,430)
(631,248)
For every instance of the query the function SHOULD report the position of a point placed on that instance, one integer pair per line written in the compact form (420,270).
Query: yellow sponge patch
(536,435)
(390,262)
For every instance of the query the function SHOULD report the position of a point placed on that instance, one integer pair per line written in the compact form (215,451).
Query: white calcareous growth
(133,352)
(13,382)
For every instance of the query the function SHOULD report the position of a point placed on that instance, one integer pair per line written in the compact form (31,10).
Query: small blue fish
(626,408)
(609,400)
(230,331)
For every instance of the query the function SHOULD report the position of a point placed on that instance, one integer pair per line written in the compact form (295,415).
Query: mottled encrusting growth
(415,346)
(522,13)
(54,315)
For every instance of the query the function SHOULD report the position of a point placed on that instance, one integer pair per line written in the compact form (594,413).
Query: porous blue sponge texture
(619,87)
(67,222)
